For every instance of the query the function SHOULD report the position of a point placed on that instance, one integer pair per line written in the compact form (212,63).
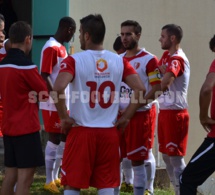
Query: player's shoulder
(51,43)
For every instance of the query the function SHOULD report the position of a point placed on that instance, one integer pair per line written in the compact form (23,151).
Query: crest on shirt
(101,65)
(63,66)
(136,65)
(174,64)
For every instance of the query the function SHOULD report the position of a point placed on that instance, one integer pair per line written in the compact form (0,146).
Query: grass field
(39,180)
(37,189)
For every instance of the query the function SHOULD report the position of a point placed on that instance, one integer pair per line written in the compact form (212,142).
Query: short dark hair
(67,22)
(173,29)
(117,45)
(135,24)
(212,44)
(95,26)
(19,31)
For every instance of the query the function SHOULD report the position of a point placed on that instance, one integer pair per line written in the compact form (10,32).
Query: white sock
(150,166)
(169,169)
(50,153)
(178,167)
(127,170)
(58,160)
(139,179)
(106,191)
(71,192)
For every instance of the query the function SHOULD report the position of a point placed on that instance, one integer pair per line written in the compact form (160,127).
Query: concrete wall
(196,17)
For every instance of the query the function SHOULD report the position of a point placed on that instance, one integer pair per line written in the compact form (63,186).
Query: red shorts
(137,138)
(51,121)
(91,158)
(173,132)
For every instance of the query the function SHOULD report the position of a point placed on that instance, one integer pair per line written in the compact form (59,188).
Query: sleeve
(35,80)
(68,65)
(153,72)
(128,69)
(49,59)
(176,66)
(212,67)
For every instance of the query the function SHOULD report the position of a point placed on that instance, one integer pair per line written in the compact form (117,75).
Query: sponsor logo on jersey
(101,65)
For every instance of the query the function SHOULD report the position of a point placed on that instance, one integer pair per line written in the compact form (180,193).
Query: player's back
(95,94)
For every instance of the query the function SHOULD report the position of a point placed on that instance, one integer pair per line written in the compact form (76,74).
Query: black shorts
(23,151)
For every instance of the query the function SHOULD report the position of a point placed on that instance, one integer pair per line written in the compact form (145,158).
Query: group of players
(121,93)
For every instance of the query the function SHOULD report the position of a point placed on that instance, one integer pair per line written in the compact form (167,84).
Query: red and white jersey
(146,65)
(96,86)
(52,54)
(175,98)
(20,87)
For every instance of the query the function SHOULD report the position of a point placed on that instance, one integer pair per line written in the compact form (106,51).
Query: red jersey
(19,85)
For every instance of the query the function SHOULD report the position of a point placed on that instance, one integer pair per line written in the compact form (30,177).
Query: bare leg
(25,179)
(9,181)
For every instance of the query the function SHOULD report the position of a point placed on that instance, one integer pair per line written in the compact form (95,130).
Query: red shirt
(19,83)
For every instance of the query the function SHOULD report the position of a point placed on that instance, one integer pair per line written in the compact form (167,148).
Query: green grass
(39,180)
(37,189)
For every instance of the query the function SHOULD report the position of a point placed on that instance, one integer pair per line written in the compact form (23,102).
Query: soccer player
(202,165)
(173,118)
(53,52)
(91,156)
(141,127)
(20,88)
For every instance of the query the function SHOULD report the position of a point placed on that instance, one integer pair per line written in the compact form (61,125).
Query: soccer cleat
(147,192)
(58,182)
(126,187)
(123,187)
(51,187)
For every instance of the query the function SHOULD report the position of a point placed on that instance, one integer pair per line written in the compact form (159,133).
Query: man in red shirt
(20,87)
(202,163)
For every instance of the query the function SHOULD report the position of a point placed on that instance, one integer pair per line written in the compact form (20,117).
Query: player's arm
(64,77)
(204,101)
(49,59)
(58,95)
(154,77)
(167,80)
(46,77)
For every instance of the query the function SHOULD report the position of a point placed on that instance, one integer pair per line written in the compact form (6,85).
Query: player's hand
(67,124)
(121,123)
(162,69)
(207,122)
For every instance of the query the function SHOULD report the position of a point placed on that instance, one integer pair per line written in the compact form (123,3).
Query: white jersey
(52,54)
(145,64)
(175,98)
(96,85)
